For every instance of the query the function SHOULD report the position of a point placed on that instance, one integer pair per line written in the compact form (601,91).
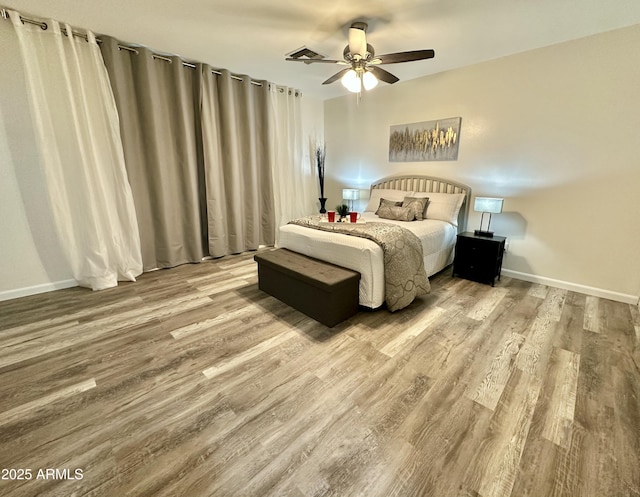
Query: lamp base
(487,234)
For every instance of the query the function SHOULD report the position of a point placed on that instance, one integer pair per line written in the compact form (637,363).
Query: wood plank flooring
(192,382)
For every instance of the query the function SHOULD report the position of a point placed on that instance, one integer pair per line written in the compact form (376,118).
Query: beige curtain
(157,104)
(237,164)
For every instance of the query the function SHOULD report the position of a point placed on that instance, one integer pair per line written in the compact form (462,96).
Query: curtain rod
(43,25)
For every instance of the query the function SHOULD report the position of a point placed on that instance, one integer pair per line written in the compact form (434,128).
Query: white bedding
(365,256)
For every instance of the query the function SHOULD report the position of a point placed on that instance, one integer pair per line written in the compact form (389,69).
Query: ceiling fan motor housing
(358,40)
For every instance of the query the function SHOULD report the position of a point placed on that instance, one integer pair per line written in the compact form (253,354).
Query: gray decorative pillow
(396,213)
(388,203)
(417,205)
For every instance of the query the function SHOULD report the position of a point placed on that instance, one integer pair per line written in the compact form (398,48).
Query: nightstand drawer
(476,273)
(476,255)
(477,248)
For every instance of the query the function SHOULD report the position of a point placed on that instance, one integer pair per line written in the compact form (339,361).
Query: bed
(446,216)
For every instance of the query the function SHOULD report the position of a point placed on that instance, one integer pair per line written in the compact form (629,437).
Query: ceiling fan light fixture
(363,71)
(369,81)
(351,81)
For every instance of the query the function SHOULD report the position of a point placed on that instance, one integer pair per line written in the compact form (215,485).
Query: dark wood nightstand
(478,258)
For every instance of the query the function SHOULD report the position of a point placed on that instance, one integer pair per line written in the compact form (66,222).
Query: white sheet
(365,256)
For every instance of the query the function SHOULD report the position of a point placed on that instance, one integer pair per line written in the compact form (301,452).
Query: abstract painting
(426,141)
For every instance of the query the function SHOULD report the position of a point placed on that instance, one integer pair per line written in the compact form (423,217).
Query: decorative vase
(322,202)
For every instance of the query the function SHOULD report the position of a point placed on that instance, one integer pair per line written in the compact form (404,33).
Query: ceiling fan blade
(358,39)
(395,58)
(313,61)
(383,75)
(337,76)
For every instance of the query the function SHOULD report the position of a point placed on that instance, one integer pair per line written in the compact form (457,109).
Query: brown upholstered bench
(327,293)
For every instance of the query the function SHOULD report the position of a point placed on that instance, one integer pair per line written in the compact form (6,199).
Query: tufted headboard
(429,184)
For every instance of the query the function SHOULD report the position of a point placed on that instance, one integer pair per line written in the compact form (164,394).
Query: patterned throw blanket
(404,273)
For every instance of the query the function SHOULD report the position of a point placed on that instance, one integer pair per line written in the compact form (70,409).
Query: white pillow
(378,193)
(443,206)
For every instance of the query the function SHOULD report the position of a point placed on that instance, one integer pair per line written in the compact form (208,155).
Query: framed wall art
(425,141)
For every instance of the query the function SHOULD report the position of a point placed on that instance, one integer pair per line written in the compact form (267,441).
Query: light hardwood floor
(194,383)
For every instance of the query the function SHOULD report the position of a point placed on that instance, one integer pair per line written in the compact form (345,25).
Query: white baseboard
(33,290)
(574,287)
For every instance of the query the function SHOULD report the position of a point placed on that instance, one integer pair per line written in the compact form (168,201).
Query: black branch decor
(320,154)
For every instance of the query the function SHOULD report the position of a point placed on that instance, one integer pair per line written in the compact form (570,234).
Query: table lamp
(350,194)
(487,205)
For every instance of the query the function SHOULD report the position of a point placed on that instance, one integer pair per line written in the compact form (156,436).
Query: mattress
(365,256)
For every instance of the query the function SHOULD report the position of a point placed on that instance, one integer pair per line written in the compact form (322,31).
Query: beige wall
(554,131)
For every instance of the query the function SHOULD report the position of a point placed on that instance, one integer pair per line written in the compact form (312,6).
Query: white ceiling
(253,36)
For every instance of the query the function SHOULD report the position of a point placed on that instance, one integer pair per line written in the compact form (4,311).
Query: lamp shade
(350,194)
(369,81)
(488,204)
(351,81)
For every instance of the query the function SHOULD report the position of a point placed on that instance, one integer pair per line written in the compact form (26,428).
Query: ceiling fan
(364,70)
